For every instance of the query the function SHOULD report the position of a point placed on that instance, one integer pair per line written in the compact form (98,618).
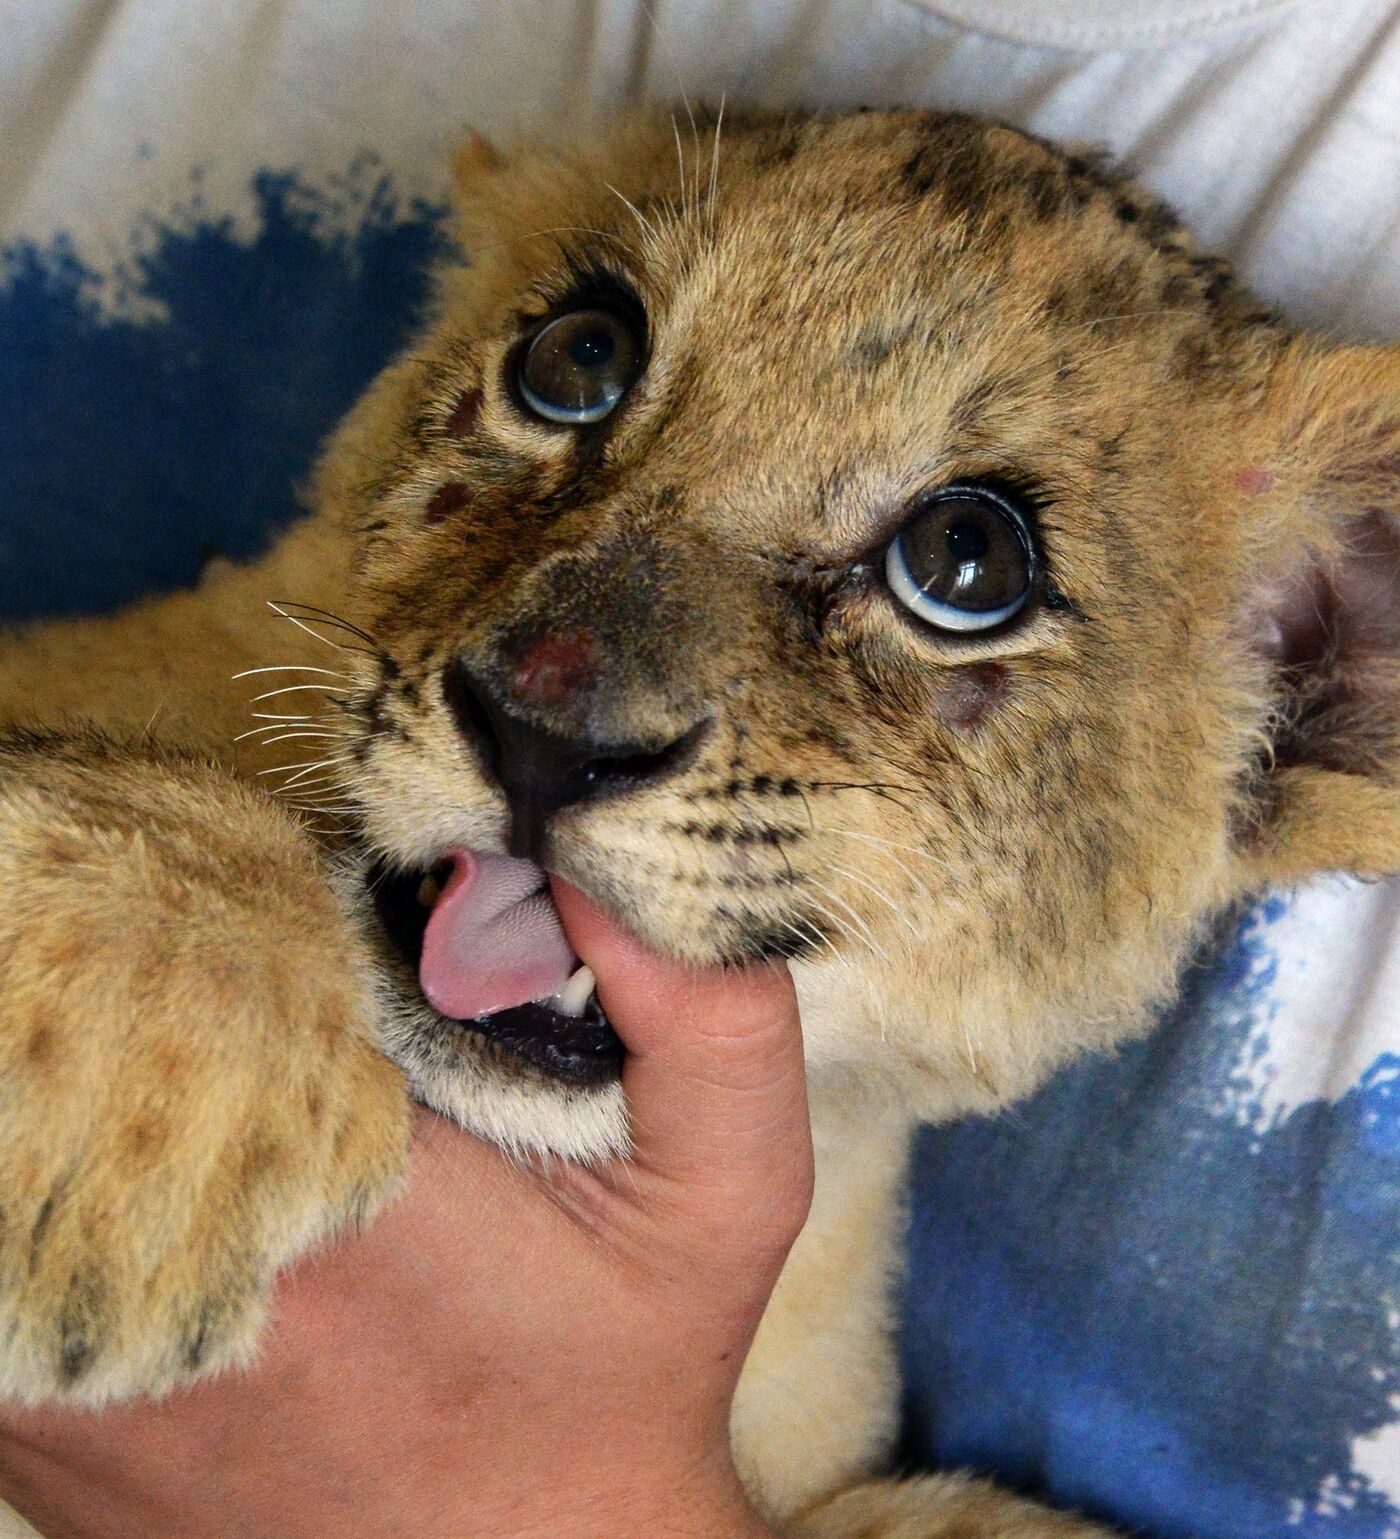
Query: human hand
(508,1351)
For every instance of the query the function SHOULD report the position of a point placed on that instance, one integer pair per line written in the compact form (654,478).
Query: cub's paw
(938,1507)
(189,1091)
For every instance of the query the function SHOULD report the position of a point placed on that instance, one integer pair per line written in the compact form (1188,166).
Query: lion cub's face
(847,554)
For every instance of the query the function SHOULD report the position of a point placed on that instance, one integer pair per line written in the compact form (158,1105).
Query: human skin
(508,1350)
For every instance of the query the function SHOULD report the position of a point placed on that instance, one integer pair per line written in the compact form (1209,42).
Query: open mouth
(483,936)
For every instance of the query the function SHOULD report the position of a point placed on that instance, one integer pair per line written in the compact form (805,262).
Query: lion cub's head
(876,540)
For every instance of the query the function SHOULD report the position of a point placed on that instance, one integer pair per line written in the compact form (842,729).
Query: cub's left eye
(965,561)
(577,368)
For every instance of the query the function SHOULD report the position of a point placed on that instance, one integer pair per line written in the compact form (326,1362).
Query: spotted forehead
(894,232)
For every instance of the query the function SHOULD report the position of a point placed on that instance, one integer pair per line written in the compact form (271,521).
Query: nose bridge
(607,639)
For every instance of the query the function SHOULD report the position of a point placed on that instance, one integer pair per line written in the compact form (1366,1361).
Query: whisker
(302,625)
(714,160)
(851,833)
(307,764)
(281,606)
(636,213)
(875,787)
(291,689)
(329,673)
(283,716)
(308,769)
(884,898)
(287,737)
(865,929)
(680,157)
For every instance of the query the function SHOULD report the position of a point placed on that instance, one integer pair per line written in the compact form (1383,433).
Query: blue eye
(577,368)
(964,562)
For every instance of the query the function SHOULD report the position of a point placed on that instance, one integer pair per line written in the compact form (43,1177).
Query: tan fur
(992,854)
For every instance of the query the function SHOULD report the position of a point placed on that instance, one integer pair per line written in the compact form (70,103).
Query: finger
(714,1076)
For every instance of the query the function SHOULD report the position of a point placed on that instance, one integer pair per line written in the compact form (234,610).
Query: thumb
(714,1078)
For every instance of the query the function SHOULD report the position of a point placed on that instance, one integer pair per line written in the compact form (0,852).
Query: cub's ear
(472,161)
(477,185)
(1325,616)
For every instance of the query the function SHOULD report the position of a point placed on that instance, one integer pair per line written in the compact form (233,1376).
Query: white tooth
(573,998)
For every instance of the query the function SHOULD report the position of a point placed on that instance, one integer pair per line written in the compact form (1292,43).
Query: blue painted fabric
(1135,1293)
(1146,1296)
(143,431)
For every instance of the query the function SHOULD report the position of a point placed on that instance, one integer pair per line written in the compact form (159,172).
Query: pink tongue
(493,939)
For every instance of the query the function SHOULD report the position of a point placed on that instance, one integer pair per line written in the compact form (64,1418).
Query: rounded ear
(1326,616)
(471,161)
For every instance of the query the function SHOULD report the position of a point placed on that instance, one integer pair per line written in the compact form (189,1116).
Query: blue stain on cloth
(1148,1302)
(1124,1293)
(134,446)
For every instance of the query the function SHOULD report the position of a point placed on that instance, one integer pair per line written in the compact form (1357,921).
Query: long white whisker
(281,607)
(301,625)
(306,764)
(714,160)
(680,158)
(865,929)
(306,770)
(842,926)
(884,898)
(292,689)
(304,719)
(257,731)
(329,673)
(323,784)
(287,737)
(851,833)
(637,214)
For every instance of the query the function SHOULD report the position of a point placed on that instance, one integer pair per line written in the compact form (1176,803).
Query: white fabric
(1093,24)
(1274,128)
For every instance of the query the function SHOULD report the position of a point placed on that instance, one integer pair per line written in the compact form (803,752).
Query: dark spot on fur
(315,1107)
(41,1224)
(954,162)
(823,734)
(144,1138)
(39,1049)
(1177,290)
(1046,190)
(968,409)
(874,345)
(464,414)
(198,1339)
(780,145)
(971,695)
(80,1327)
(451,497)
(261,1156)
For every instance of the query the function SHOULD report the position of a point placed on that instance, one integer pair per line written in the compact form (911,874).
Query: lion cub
(879,540)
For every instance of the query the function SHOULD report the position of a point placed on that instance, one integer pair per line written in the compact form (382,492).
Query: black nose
(542,771)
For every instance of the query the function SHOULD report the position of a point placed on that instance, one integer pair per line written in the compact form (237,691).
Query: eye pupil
(592,349)
(967,542)
(965,561)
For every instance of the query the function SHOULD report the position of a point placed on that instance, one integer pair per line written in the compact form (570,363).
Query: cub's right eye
(578,367)
(965,562)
